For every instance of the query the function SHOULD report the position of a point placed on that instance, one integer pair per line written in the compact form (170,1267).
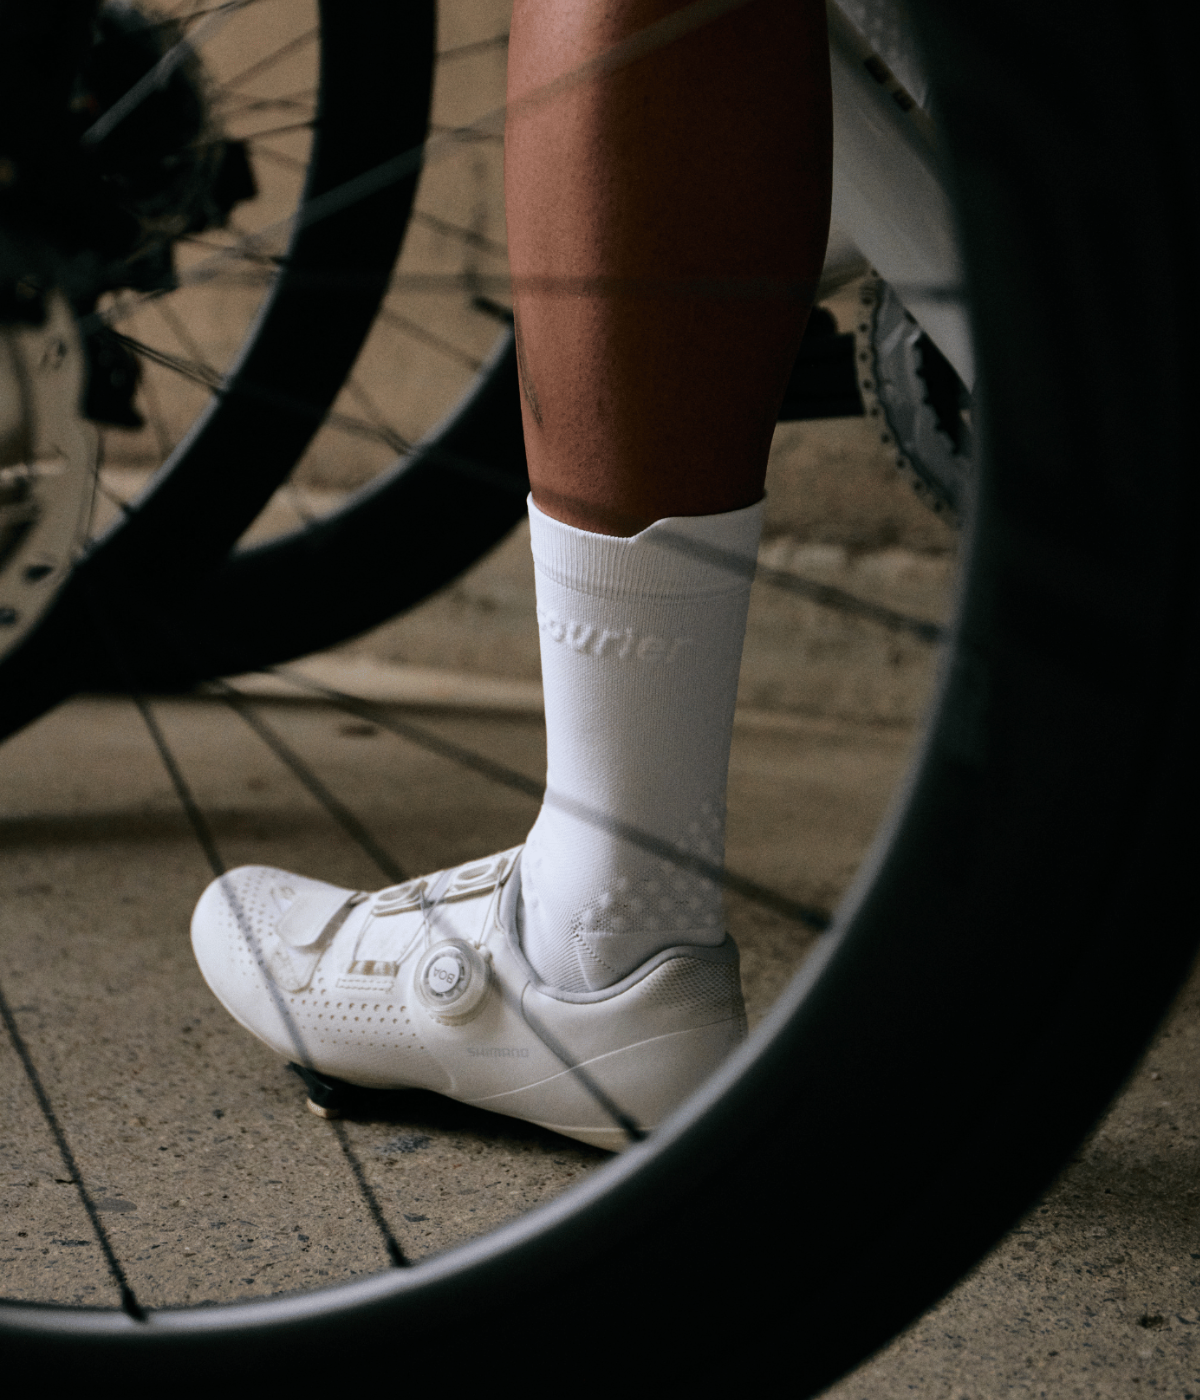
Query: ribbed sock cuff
(681,556)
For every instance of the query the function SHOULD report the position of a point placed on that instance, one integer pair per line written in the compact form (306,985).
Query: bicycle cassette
(912,389)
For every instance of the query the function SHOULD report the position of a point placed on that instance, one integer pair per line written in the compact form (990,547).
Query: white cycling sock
(641,643)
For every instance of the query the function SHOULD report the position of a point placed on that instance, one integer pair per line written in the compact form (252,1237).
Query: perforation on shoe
(329,1021)
(702,987)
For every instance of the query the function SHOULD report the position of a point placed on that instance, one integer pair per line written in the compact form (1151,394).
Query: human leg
(650,380)
(667,223)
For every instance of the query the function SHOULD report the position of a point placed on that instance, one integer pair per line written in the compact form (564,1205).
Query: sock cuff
(680,556)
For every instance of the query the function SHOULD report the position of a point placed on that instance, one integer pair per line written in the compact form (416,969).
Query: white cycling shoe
(424,985)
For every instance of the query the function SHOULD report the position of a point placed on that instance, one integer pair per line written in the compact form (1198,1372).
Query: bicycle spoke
(499,41)
(337,810)
(255,136)
(302,100)
(204,837)
(200,827)
(798,912)
(410,328)
(388,434)
(207,377)
(192,241)
(129,1303)
(196,9)
(197,373)
(157,418)
(261,66)
(281,158)
(464,135)
(181,333)
(213,22)
(372,432)
(391,1245)
(125,507)
(291,493)
(464,235)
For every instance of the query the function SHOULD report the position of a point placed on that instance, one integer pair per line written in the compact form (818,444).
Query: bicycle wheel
(369,125)
(340,574)
(977,1003)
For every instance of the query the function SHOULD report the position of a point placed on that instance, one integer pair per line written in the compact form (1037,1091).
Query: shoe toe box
(242,958)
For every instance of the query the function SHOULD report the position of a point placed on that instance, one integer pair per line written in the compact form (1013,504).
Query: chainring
(923,407)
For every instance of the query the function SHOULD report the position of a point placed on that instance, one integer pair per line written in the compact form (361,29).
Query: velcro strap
(306,921)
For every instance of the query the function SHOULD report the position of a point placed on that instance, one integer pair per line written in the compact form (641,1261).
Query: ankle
(641,647)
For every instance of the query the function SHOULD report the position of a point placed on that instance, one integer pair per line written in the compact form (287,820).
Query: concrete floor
(215,1183)
(212,1178)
